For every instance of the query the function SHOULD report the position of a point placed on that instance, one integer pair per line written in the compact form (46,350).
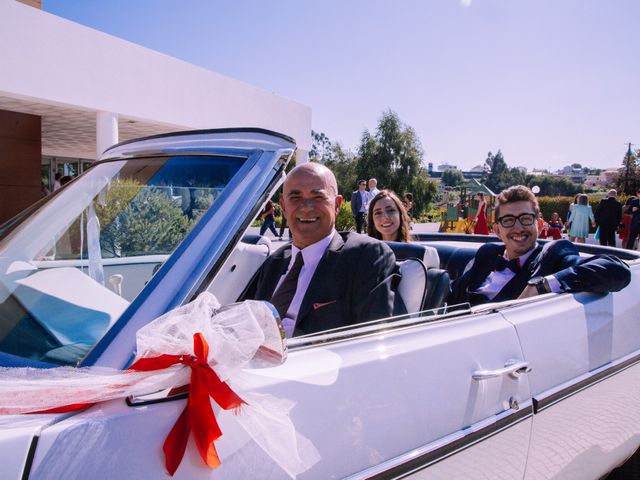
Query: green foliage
(628,180)
(548,205)
(452,178)
(499,176)
(553,186)
(344,219)
(394,157)
(138,220)
(344,167)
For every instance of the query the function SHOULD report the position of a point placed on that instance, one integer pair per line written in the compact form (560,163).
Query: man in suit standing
(608,216)
(634,225)
(520,268)
(359,200)
(324,279)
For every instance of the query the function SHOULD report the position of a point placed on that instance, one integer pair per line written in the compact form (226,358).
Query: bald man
(324,279)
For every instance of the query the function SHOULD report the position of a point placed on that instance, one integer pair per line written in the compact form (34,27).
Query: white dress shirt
(311,256)
(496,280)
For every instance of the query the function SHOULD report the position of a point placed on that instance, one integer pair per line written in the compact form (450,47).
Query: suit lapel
(274,272)
(315,286)
(514,287)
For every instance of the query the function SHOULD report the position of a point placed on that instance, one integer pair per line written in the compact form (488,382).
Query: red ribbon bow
(197,416)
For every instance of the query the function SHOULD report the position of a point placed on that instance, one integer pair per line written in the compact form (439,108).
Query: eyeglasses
(525,219)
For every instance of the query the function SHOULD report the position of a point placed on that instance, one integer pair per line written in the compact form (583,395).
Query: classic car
(544,387)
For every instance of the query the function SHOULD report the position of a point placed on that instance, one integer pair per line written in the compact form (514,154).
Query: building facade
(68,92)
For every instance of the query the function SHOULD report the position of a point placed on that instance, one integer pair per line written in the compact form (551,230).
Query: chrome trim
(552,396)
(378,327)
(512,367)
(433,452)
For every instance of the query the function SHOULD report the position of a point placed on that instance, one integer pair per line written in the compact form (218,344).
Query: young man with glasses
(519,267)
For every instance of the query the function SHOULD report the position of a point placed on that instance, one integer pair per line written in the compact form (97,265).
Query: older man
(608,216)
(519,267)
(324,279)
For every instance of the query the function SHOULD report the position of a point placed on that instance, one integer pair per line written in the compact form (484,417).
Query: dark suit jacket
(351,284)
(635,220)
(597,274)
(609,213)
(356,202)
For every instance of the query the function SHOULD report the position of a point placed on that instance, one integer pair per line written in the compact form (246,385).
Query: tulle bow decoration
(216,344)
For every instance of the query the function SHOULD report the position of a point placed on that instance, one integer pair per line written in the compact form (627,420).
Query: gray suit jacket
(351,284)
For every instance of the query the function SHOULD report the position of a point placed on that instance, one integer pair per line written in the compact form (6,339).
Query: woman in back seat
(388,220)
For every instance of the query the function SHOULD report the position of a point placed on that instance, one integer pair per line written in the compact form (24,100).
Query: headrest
(428,255)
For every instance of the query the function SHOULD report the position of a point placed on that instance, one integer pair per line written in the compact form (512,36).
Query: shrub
(344,219)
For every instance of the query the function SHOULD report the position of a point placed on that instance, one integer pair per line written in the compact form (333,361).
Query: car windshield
(71,268)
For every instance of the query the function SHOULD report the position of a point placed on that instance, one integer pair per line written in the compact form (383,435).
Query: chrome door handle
(513,368)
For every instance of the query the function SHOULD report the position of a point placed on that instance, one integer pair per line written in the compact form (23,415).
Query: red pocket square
(316,306)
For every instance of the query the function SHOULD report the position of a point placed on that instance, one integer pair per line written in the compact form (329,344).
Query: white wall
(49,58)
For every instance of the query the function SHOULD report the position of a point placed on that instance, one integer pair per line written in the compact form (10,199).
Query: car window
(71,268)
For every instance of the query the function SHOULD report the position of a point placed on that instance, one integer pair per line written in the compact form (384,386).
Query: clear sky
(549,82)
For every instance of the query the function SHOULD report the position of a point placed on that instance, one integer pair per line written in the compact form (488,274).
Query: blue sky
(549,82)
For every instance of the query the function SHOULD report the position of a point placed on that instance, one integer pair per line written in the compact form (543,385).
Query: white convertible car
(546,387)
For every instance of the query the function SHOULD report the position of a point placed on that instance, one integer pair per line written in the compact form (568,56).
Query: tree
(394,157)
(552,186)
(628,180)
(452,178)
(321,148)
(343,164)
(498,175)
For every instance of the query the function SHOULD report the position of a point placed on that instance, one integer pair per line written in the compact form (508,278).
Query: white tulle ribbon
(241,336)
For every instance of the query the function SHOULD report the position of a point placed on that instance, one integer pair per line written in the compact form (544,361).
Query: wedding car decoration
(199,346)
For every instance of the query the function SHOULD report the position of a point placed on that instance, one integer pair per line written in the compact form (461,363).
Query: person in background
(481,227)
(634,224)
(608,216)
(579,218)
(56,181)
(268,219)
(567,225)
(388,219)
(625,224)
(520,268)
(554,230)
(359,201)
(373,189)
(408,206)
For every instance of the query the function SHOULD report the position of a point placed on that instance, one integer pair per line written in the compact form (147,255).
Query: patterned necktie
(283,296)
(502,263)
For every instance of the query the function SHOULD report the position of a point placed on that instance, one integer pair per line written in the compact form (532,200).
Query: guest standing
(359,201)
(268,219)
(634,224)
(580,216)
(625,225)
(608,215)
(481,227)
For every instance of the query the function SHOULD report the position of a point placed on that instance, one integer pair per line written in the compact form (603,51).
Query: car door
(584,351)
(380,400)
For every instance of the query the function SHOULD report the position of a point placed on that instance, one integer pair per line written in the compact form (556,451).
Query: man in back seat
(324,279)
(520,268)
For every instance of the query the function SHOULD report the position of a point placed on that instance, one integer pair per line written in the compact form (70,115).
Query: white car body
(546,387)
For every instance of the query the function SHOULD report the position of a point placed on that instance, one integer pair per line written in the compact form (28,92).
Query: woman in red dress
(481,218)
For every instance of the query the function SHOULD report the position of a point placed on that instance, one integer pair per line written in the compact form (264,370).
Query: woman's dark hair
(481,195)
(583,199)
(403,234)
(629,200)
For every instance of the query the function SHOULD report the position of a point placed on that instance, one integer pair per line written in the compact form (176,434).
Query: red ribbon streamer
(197,416)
